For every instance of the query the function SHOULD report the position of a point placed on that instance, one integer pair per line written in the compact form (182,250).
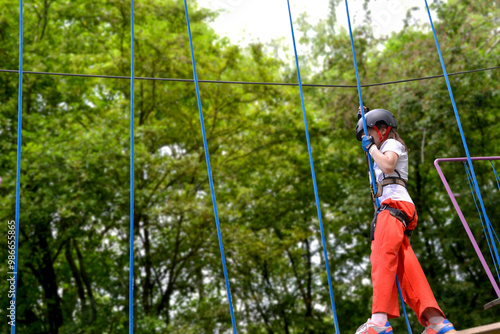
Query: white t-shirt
(394,191)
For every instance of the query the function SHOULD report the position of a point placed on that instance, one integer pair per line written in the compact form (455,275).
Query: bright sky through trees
(244,21)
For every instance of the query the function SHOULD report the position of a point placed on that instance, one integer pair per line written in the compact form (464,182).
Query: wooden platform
(486,329)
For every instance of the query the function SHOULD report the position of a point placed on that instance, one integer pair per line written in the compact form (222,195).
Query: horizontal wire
(248,82)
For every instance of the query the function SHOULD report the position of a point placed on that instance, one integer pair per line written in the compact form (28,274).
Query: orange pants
(392,254)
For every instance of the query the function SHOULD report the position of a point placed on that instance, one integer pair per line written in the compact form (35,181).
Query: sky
(246,21)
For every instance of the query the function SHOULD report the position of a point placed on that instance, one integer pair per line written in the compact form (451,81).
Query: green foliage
(74,217)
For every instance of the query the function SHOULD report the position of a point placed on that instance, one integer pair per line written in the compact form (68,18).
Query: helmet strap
(380,135)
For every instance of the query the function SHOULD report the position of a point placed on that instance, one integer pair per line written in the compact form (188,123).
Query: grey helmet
(373,117)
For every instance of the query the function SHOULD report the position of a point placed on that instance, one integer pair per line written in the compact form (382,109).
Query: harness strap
(393,180)
(385,182)
(388,180)
(399,215)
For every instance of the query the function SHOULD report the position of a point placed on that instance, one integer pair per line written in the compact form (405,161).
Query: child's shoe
(371,328)
(444,327)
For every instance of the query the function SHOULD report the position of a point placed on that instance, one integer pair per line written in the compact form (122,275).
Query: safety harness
(396,213)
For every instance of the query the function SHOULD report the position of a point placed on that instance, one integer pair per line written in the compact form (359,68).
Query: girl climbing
(394,222)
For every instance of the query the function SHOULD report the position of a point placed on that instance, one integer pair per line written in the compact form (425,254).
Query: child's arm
(386,161)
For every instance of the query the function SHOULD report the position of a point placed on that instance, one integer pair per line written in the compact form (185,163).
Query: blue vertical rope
(209,169)
(313,175)
(365,128)
(372,173)
(18,172)
(132,74)
(480,199)
(497,178)
(469,180)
